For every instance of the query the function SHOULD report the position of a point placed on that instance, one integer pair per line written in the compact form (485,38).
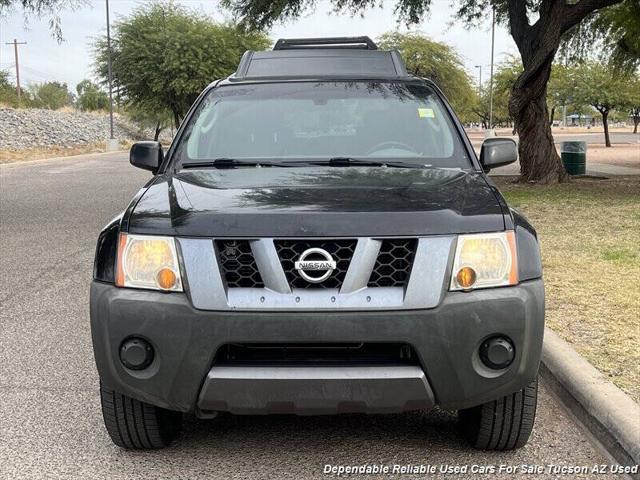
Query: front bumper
(446,340)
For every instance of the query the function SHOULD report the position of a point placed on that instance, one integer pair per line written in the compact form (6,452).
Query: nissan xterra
(320,238)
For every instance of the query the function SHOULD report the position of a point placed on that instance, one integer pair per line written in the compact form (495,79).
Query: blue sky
(44,59)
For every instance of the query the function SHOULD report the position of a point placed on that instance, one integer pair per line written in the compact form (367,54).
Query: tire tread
(502,424)
(136,425)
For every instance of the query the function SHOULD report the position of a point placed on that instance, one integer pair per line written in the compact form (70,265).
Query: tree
(437,61)
(164,55)
(43,8)
(145,119)
(560,89)
(51,95)
(91,97)
(503,79)
(537,43)
(634,103)
(8,94)
(615,32)
(605,89)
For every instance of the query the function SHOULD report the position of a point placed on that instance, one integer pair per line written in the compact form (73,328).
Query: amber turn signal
(466,277)
(166,278)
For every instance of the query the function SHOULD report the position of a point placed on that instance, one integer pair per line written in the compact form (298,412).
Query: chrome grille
(393,265)
(238,264)
(290,250)
(210,269)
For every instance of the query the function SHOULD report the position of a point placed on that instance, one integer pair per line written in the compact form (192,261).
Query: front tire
(135,425)
(503,424)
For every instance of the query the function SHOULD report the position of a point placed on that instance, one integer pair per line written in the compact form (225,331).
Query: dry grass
(589,233)
(9,156)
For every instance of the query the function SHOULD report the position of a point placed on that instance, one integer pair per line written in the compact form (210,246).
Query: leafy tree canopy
(8,94)
(51,95)
(164,55)
(614,31)
(43,9)
(155,120)
(605,89)
(91,97)
(504,78)
(437,61)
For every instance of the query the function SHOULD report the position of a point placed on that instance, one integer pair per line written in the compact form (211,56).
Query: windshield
(323,120)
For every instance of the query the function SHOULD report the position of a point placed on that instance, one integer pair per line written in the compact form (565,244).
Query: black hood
(317,201)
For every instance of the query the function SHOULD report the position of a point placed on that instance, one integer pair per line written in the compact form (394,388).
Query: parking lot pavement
(50,421)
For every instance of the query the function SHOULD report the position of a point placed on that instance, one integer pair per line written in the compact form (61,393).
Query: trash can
(574,157)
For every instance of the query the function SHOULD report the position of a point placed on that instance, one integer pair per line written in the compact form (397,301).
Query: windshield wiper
(231,163)
(331,162)
(364,162)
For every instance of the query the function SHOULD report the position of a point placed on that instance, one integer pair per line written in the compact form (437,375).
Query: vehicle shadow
(384,433)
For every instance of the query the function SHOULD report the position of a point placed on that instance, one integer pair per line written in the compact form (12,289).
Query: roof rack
(333,42)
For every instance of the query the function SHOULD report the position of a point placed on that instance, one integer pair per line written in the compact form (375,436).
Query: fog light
(136,353)
(497,352)
(466,277)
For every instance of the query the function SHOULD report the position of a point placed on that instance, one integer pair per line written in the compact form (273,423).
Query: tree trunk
(605,124)
(158,130)
(537,44)
(539,159)
(176,118)
(552,115)
(636,121)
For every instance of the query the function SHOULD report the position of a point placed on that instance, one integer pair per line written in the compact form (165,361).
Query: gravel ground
(50,422)
(37,128)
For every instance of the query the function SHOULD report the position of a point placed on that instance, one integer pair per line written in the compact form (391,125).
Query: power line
(36,72)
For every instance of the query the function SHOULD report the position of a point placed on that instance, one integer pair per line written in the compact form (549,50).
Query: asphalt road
(50,420)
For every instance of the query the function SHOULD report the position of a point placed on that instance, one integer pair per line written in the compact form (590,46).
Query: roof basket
(364,43)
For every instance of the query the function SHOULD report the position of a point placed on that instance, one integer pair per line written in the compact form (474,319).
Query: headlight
(146,261)
(485,260)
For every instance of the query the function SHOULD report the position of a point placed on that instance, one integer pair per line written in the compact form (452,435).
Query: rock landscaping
(28,129)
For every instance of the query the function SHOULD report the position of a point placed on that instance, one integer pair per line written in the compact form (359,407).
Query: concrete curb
(609,413)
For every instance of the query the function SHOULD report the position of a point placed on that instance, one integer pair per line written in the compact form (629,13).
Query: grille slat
(290,250)
(238,265)
(393,265)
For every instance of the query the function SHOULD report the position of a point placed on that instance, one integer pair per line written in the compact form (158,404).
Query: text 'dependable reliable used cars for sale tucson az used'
(319,238)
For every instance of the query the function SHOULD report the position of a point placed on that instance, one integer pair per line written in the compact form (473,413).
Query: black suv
(320,238)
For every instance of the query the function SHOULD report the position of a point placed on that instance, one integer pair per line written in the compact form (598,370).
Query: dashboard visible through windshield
(296,121)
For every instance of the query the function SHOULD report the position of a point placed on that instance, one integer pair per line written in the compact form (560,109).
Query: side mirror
(496,152)
(147,155)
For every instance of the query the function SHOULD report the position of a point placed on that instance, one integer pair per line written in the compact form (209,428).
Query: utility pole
(109,74)
(493,38)
(15,44)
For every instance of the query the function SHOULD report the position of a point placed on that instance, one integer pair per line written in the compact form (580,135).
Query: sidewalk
(596,169)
